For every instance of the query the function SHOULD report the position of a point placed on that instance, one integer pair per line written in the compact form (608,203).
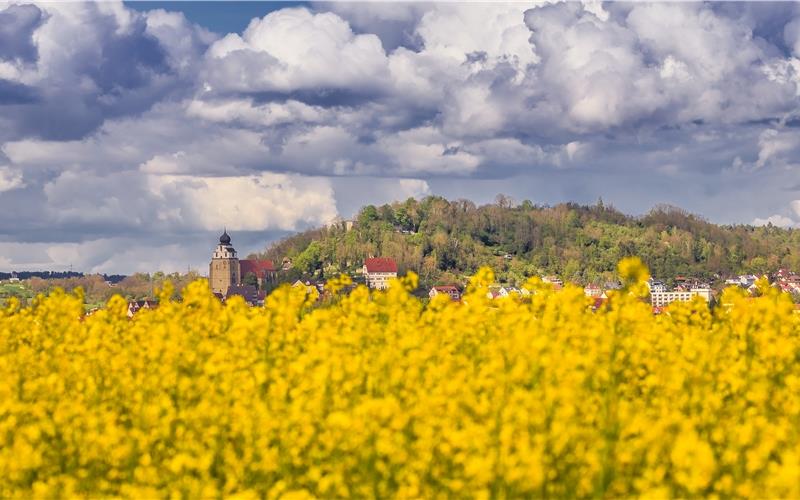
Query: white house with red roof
(378,271)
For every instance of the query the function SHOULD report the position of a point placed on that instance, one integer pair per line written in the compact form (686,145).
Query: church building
(226,270)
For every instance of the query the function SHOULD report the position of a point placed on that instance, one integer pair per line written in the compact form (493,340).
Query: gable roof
(257,267)
(446,288)
(380,265)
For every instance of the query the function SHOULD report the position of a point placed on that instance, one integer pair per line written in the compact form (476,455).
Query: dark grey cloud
(129,61)
(17,93)
(89,63)
(17,24)
(767,21)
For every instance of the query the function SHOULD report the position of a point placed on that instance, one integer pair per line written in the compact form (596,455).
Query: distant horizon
(131,132)
(200,268)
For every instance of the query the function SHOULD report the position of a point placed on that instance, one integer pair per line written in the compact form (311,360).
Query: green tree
(758,266)
(367,215)
(250,279)
(309,259)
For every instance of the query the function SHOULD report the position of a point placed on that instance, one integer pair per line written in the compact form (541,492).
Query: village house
(378,271)
(135,306)
(450,290)
(553,280)
(502,291)
(744,281)
(592,290)
(310,287)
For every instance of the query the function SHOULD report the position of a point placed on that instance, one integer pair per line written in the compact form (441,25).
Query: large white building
(663,298)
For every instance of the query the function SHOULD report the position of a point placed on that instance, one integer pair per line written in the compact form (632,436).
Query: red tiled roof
(380,265)
(257,267)
(446,288)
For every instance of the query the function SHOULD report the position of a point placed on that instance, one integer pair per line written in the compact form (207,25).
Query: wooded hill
(446,241)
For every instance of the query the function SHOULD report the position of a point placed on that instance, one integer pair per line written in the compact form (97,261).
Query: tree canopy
(448,240)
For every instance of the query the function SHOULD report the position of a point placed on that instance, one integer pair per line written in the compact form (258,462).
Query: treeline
(97,291)
(446,241)
(52,275)
(23,275)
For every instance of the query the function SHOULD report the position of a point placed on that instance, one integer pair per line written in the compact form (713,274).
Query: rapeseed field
(376,395)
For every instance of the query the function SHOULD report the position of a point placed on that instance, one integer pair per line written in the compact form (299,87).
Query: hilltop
(445,241)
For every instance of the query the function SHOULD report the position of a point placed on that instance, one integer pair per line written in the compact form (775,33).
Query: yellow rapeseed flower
(373,394)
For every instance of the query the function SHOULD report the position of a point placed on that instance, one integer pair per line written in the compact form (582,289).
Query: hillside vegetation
(445,241)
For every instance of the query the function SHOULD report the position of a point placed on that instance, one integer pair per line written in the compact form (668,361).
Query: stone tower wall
(223,273)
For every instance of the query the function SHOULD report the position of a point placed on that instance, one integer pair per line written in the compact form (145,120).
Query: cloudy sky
(131,133)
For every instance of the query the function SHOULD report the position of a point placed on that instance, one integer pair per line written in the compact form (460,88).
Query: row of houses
(378,271)
(785,279)
(788,281)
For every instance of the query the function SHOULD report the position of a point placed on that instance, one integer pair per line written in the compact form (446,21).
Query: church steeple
(224,267)
(225,239)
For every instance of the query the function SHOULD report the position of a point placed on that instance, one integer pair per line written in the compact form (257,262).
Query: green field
(18,290)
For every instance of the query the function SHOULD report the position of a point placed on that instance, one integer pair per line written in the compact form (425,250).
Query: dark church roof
(225,239)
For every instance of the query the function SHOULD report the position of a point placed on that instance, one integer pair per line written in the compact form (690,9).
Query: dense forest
(445,241)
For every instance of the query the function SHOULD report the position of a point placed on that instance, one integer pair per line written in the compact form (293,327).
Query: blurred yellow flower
(373,394)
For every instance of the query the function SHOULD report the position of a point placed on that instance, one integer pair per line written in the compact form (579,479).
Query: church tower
(224,268)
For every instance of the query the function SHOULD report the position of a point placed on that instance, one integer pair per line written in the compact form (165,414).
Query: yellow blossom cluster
(378,395)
